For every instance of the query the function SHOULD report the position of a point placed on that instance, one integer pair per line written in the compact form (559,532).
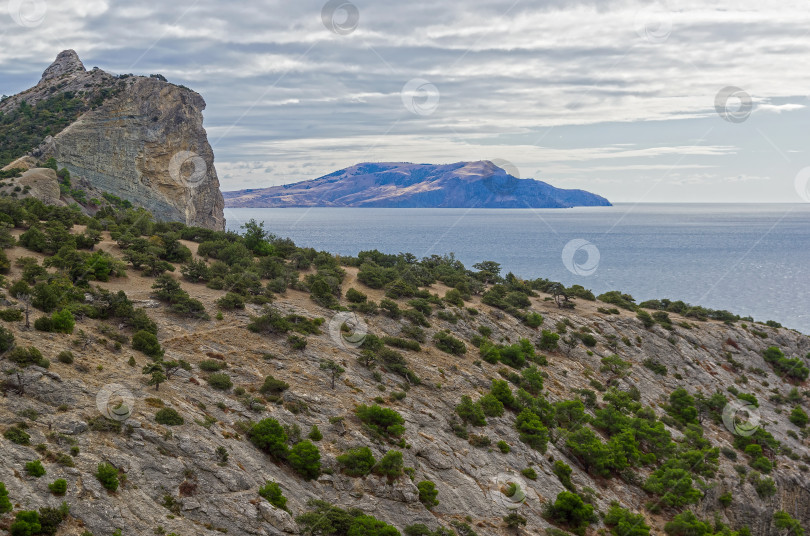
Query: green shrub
(5,503)
(390,465)
(6,339)
(62,322)
(785,522)
(66,357)
(674,485)
(529,473)
(355,296)
(725,499)
(27,356)
(427,493)
(213,365)
(107,475)
(761,464)
(532,431)
(503,446)
(549,341)
(563,472)
(765,487)
(534,320)
(146,342)
(449,344)
(682,406)
(35,468)
(43,323)
(314,433)
(11,315)
(17,435)
(272,492)
(305,458)
(58,486)
(272,386)
(357,461)
(297,342)
(405,344)
(687,524)
(269,436)
(471,412)
(798,417)
(231,301)
(623,522)
(169,417)
(500,389)
(655,366)
(384,421)
(220,381)
(26,523)
(490,405)
(569,510)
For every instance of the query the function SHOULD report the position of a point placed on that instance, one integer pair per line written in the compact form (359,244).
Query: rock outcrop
(140,138)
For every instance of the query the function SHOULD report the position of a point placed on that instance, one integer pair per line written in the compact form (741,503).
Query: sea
(750,259)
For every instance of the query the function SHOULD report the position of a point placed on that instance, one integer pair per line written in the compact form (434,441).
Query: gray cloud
(603,94)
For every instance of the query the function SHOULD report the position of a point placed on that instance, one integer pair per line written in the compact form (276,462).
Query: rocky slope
(176,482)
(400,185)
(138,138)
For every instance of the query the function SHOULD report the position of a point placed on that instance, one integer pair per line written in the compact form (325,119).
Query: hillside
(604,416)
(402,185)
(138,138)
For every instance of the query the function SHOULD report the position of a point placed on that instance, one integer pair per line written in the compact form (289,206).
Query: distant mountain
(479,184)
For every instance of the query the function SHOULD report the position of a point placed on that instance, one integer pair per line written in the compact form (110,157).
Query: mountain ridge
(476,184)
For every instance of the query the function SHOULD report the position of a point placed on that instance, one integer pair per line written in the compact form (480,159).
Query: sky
(636,101)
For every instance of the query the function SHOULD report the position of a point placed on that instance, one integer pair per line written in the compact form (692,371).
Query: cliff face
(402,185)
(141,139)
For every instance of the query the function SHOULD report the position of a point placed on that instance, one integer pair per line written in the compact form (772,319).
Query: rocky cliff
(139,138)
(480,184)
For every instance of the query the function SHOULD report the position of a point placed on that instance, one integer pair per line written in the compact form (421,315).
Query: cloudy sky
(626,99)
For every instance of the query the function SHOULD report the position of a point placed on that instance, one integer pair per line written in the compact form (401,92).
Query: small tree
(107,475)
(798,417)
(5,504)
(427,493)
(269,436)
(357,461)
(272,492)
(305,458)
(157,375)
(390,465)
(333,369)
(615,365)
